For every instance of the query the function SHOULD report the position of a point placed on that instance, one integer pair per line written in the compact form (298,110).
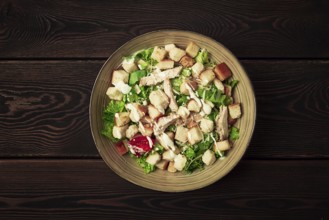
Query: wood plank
(284,28)
(59,189)
(44,108)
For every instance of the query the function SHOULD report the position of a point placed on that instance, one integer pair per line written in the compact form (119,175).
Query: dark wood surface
(50,54)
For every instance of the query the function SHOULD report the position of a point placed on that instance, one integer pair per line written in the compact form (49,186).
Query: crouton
(176,54)
(129,66)
(114,93)
(119,132)
(186,61)
(234,110)
(168,47)
(120,75)
(153,112)
(197,68)
(180,162)
(171,167)
(222,71)
(208,157)
(122,87)
(219,85)
(222,145)
(183,112)
(131,131)
(165,64)
(206,125)
(159,53)
(137,111)
(153,158)
(193,106)
(194,135)
(206,77)
(162,164)
(168,155)
(192,49)
(121,118)
(181,134)
(159,100)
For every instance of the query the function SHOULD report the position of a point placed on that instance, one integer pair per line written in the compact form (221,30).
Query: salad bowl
(160,180)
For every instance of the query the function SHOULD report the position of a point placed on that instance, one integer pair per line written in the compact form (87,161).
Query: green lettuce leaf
(108,117)
(135,76)
(148,168)
(234,134)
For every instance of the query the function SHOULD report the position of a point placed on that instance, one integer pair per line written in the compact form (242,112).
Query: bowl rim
(235,59)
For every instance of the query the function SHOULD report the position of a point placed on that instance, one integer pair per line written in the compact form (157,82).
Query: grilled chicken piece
(168,90)
(222,124)
(157,77)
(164,122)
(167,143)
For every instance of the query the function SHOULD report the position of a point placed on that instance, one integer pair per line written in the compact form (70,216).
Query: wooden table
(50,55)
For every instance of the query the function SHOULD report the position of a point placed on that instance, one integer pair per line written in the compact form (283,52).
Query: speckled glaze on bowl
(161,180)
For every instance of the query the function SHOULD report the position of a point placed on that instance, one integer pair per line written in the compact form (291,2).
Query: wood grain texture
(44,108)
(59,189)
(292,109)
(284,28)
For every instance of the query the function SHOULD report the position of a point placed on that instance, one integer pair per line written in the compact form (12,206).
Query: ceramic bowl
(160,180)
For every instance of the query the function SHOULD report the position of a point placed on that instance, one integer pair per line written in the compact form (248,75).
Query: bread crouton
(206,125)
(119,132)
(234,110)
(153,158)
(159,100)
(176,54)
(168,47)
(131,131)
(194,135)
(222,71)
(165,64)
(129,66)
(154,113)
(192,49)
(171,167)
(193,106)
(114,93)
(159,53)
(168,155)
(121,118)
(162,164)
(180,162)
(208,157)
(186,61)
(197,68)
(222,145)
(181,134)
(119,75)
(207,77)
